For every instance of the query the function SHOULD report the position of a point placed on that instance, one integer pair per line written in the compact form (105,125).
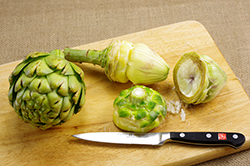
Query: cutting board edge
(139,32)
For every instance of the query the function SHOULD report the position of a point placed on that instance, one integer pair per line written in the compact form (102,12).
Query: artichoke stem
(138,95)
(95,57)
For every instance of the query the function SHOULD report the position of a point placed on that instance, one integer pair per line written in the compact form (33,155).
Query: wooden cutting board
(21,144)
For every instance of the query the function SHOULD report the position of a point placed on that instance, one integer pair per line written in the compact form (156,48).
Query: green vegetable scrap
(46,90)
(139,109)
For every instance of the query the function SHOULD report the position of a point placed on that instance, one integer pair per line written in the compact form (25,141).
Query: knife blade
(235,140)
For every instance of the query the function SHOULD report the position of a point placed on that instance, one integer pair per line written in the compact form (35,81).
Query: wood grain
(21,144)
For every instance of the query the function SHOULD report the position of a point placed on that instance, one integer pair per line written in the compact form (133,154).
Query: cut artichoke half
(198,78)
(139,109)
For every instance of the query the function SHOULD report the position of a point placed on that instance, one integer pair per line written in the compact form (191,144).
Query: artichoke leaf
(78,70)
(121,66)
(55,62)
(34,55)
(19,96)
(23,81)
(81,101)
(74,85)
(40,84)
(30,69)
(45,119)
(66,105)
(68,70)
(56,80)
(43,68)
(71,112)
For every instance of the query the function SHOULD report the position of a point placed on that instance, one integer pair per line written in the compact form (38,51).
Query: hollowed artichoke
(46,90)
(198,78)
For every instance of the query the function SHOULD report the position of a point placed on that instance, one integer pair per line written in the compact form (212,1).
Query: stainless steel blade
(125,137)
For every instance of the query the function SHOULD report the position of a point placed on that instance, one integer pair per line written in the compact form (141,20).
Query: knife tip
(74,136)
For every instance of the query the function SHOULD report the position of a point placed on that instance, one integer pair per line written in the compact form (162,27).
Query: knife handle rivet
(208,135)
(182,135)
(235,136)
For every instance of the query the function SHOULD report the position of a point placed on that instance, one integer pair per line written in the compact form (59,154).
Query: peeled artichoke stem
(124,61)
(138,94)
(89,56)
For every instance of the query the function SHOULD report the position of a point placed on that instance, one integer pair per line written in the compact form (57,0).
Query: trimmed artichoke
(46,90)
(139,109)
(198,78)
(124,61)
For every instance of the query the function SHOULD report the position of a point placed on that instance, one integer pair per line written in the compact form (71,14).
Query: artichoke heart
(124,61)
(46,89)
(139,109)
(198,78)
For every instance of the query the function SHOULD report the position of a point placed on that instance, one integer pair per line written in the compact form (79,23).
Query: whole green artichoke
(46,89)
(139,109)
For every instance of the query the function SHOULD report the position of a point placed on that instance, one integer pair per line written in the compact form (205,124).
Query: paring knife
(231,139)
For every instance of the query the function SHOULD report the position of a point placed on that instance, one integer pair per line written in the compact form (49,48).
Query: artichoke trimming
(139,109)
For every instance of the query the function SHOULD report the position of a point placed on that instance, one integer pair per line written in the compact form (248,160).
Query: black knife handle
(234,140)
